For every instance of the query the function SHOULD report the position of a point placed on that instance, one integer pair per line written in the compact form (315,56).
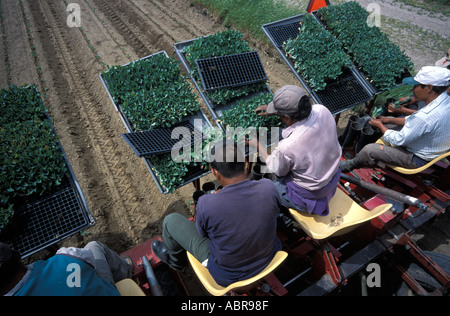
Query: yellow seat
(128,287)
(417,170)
(215,289)
(344,215)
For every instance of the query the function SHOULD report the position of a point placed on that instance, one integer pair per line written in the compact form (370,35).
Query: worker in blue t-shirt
(91,271)
(234,234)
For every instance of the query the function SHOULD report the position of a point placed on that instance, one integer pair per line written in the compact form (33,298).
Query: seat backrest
(344,215)
(416,170)
(424,167)
(215,289)
(127,287)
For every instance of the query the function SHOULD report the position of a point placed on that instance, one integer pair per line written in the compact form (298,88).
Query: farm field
(38,47)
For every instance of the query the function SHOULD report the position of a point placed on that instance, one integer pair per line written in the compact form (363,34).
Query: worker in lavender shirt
(306,160)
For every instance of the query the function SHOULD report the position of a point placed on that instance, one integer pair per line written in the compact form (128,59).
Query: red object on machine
(316,5)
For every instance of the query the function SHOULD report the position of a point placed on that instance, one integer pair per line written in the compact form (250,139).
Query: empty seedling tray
(43,223)
(231,70)
(158,141)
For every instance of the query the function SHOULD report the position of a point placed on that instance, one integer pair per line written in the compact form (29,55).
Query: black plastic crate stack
(347,91)
(217,110)
(158,141)
(39,223)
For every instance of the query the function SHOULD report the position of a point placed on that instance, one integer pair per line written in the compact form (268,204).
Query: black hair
(304,109)
(9,269)
(228,159)
(437,89)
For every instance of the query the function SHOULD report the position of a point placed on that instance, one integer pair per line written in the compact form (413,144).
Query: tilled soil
(66,62)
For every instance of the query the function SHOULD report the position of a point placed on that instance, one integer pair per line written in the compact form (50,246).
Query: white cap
(435,76)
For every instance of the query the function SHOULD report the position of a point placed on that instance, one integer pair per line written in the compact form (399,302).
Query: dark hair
(228,159)
(304,109)
(9,268)
(437,89)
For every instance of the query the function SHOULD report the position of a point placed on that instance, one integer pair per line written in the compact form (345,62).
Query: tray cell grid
(231,70)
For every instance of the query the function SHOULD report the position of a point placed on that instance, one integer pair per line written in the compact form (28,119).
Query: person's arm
(262,111)
(380,121)
(401,110)
(262,150)
(413,129)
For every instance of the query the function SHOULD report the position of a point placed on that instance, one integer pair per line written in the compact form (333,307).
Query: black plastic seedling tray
(216,110)
(159,141)
(198,120)
(40,222)
(231,70)
(347,91)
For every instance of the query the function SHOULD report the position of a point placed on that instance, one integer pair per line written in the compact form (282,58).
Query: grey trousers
(108,264)
(180,235)
(371,154)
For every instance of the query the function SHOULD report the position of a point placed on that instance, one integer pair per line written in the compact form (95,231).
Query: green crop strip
(380,59)
(243,114)
(317,54)
(152,92)
(249,16)
(31,162)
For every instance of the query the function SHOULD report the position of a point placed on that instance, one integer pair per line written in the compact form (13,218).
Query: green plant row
(224,43)
(379,58)
(31,162)
(152,92)
(249,16)
(172,174)
(243,113)
(318,56)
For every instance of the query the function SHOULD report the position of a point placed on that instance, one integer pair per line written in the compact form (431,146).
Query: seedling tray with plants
(153,98)
(41,202)
(236,104)
(319,62)
(380,62)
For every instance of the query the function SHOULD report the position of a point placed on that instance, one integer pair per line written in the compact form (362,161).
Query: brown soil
(66,62)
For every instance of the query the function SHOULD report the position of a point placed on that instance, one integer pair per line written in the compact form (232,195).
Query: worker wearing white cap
(425,134)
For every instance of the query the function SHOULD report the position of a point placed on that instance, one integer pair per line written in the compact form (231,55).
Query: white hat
(435,76)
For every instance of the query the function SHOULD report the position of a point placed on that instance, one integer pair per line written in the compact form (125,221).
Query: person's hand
(378,121)
(392,109)
(262,110)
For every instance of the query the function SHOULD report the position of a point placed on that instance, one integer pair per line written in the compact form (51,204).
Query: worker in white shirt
(425,134)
